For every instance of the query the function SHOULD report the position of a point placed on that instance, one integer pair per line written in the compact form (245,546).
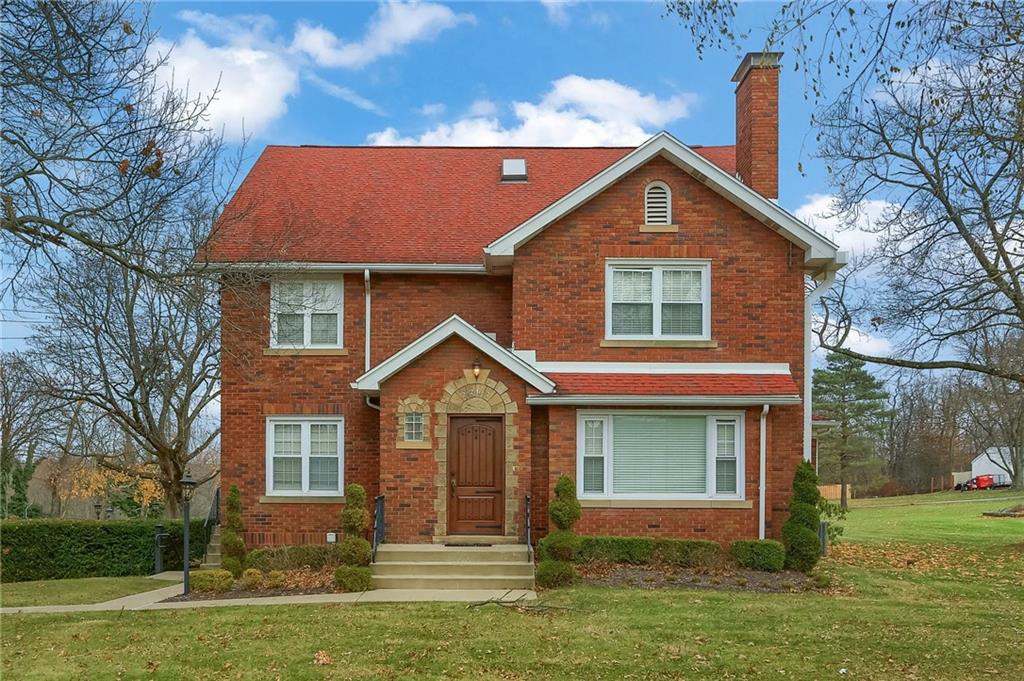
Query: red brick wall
(757,130)
(407,476)
(255,385)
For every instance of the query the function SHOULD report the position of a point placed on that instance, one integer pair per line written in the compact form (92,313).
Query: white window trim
(307,325)
(700,264)
(668,193)
(304,422)
(712,418)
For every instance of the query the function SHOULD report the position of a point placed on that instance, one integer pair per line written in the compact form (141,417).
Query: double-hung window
(305,456)
(306,314)
(660,455)
(668,300)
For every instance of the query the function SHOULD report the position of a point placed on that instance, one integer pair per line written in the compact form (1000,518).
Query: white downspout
(761,488)
(812,297)
(366,330)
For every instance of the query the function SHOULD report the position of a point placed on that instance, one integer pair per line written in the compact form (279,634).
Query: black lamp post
(98,507)
(188,486)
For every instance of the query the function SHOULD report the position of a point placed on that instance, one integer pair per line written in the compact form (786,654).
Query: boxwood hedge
(48,548)
(642,551)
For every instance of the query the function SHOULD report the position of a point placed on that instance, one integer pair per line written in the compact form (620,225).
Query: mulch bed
(247,593)
(717,579)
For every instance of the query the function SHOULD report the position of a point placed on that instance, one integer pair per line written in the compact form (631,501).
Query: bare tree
(23,423)
(98,152)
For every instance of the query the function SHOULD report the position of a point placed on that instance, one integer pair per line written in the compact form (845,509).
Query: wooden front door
(476,475)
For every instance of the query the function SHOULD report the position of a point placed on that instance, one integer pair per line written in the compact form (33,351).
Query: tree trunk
(842,483)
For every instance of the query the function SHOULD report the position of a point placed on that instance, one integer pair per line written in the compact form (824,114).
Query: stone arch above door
(476,395)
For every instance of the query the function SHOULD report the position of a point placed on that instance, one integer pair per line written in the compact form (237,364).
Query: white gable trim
(453,326)
(819,251)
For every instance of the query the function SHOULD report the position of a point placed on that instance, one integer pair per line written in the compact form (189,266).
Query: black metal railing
(211,522)
(378,524)
(529,529)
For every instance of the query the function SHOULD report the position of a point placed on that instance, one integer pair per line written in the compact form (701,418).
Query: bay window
(660,455)
(305,456)
(668,300)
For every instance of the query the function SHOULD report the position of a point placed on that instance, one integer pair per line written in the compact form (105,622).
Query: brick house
(455,328)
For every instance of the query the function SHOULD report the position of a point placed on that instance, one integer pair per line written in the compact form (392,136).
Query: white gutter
(405,268)
(665,400)
(366,330)
(809,301)
(763,463)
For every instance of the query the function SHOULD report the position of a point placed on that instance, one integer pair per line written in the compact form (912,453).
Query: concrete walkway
(150,600)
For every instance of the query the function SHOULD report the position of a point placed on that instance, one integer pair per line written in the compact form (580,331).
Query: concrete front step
(493,582)
(453,569)
(451,554)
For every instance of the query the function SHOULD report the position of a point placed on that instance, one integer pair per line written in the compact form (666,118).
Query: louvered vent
(658,205)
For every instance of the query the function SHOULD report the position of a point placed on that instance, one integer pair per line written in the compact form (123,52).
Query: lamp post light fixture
(98,507)
(188,486)
(476,369)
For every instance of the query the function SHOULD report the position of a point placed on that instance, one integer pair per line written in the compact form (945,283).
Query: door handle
(453,485)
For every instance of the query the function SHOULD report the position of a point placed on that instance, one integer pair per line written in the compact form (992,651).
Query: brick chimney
(757,122)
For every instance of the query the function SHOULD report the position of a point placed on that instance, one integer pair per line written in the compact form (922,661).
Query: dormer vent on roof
(513,170)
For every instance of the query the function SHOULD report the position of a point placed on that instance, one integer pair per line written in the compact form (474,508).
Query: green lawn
(881,623)
(74,591)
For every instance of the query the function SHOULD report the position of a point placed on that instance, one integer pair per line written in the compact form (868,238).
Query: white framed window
(413,427)
(648,299)
(306,314)
(656,455)
(657,204)
(305,456)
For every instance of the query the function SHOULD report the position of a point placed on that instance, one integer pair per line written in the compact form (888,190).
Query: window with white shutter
(659,300)
(660,455)
(657,204)
(306,314)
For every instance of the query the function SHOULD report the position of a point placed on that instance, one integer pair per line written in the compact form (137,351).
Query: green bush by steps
(49,548)
(231,537)
(555,573)
(351,578)
(642,551)
(211,581)
(766,555)
(284,558)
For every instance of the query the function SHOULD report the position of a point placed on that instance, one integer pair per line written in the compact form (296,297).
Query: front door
(476,475)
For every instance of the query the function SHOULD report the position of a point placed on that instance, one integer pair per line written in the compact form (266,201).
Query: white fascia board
(399,267)
(663,368)
(815,245)
(453,326)
(666,400)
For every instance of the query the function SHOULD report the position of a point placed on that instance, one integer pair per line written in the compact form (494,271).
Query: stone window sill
(655,343)
(425,444)
(301,500)
(666,503)
(659,229)
(289,352)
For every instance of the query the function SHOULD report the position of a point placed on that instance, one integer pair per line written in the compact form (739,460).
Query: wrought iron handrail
(529,530)
(378,524)
(212,521)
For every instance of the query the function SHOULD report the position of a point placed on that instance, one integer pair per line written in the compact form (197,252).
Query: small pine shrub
(211,581)
(355,519)
(560,545)
(274,579)
(355,551)
(350,578)
(252,579)
(232,565)
(231,543)
(555,573)
(800,531)
(564,510)
(765,555)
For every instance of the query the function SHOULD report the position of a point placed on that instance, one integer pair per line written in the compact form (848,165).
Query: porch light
(476,369)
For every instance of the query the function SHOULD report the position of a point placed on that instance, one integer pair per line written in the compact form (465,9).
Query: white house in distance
(992,461)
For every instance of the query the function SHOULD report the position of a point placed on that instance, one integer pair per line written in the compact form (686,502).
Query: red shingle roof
(675,384)
(398,204)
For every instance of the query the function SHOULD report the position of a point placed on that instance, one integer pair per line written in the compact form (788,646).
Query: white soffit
(663,368)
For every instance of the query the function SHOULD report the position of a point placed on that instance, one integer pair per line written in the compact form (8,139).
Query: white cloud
(820,212)
(577,111)
(433,109)
(558,10)
(343,93)
(867,343)
(483,107)
(394,26)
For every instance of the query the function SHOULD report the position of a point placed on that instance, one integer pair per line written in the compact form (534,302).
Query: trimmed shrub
(555,573)
(355,551)
(800,531)
(560,545)
(211,581)
(351,578)
(314,556)
(766,555)
(630,550)
(564,510)
(274,579)
(354,517)
(687,552)
(231,536)
(52,548)
(252,579)
(232,565)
